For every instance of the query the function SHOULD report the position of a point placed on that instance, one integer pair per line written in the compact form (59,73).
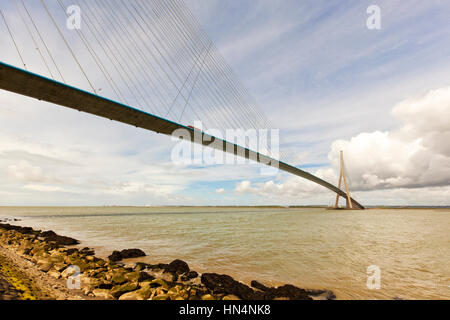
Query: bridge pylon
(342,178)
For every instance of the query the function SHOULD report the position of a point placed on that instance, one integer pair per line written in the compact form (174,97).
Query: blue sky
(320,75)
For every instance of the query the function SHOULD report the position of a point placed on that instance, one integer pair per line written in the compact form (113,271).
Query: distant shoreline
(227,207)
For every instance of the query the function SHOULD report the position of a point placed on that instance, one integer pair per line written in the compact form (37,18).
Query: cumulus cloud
(414,155)
(24,171)
(220,191)
(244,187)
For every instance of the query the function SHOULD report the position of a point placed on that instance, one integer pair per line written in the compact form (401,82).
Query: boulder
(140,266)
(134,295)
(118,278)
(105,285)
(188,276)
(159,283)
(161,297)
(71,251)
(177,266)
(117,291)
(288,291)
(87,251)
(132,253)
(230,297)
(141,294)
(102,293)
(132,276)
(143,276)
(126,254)
(60,240)
(45,267)
(54,274)
(257,285)
(115,256)
(227,285)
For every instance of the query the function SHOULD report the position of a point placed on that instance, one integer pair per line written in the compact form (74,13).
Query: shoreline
(37,265)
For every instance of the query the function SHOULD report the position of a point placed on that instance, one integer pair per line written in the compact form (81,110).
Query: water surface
(314,248)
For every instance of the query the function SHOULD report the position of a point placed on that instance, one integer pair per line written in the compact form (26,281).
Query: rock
(140,266)
(45,267)
(138,276)
(125,254)
(288,291)
(132,253)
(160,266)
(54,274)
(71,251)
(208,297)
(143,276)
(161,297)
(59,267)
(169,276)
(117,291)
(132,276)
(159,283)
(23,230)
(321,294)
(230,297)
(178,266)
(115,256)
(118,278)
(60,240)
(105,285)
(226,284)
(102,293)
(141,294)
(160,290)
(87,251)
(188,276)
(134,295)
(257,285)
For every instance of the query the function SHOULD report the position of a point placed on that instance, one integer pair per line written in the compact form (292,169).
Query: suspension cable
(14,41)
(34,40)
(67,44)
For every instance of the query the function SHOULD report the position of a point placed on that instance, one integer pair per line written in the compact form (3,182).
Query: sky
(325,80)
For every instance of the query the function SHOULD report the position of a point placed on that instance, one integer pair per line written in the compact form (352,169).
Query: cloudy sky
(320,75)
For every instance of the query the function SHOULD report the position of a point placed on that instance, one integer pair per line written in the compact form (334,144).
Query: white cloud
(244,187)
(24,171)
(142,188)
(43,188)
(220,191)
(415,155)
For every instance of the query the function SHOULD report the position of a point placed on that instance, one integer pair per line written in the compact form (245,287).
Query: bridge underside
(26,83)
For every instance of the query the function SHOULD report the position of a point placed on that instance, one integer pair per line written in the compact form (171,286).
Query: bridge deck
(29,84)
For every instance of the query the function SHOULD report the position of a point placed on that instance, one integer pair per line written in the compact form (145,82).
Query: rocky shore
(38,264)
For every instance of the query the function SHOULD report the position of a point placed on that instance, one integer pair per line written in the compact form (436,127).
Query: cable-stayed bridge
(158,68)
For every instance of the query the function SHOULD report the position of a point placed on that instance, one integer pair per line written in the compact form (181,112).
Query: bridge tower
(342,177)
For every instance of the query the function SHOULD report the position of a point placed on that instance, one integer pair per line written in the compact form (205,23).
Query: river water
(310,248)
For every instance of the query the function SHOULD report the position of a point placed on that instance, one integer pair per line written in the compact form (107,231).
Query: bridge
(27,83)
